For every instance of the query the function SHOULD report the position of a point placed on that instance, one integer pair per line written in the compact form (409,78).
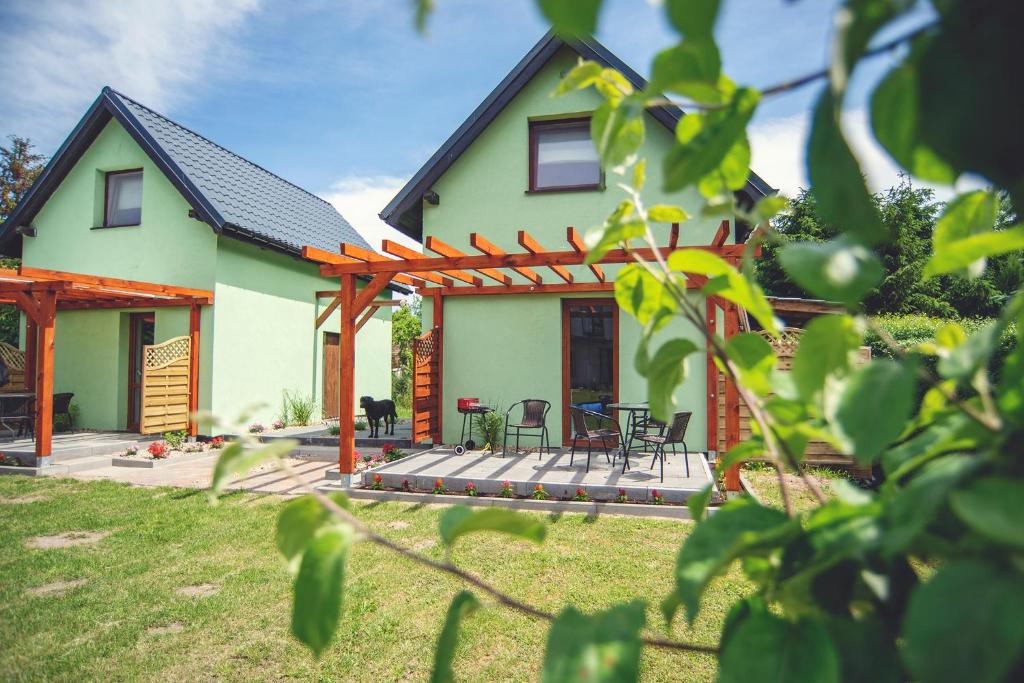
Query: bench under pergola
(485,269)
(40,293)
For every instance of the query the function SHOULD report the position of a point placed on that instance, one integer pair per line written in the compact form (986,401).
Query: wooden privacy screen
(165,386)
(15,360)
(426,387)
(818,452)
(332,374)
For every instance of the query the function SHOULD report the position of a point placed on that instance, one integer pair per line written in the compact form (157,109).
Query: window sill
(573,188)
(108,227)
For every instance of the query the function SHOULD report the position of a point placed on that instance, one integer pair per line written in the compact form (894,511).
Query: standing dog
(375,410)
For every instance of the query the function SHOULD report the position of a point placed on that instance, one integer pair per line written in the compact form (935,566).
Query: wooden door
(590,356)
(426,387)
(165,386)
(332,374)
(140,334)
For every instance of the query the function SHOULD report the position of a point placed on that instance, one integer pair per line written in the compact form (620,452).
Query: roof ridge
(222,147)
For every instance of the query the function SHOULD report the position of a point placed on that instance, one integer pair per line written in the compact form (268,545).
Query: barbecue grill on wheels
(469,407)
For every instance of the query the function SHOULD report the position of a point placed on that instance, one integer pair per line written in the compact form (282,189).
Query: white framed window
(123,198)
(562,156)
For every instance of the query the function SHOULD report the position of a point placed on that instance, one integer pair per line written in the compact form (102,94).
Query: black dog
(375,410)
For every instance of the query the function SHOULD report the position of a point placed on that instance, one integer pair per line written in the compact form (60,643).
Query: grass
(765,484)
(128,622)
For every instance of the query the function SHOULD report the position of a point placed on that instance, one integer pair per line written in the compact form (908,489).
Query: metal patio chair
(533,421)
(607,429)
(19,411)
(62,406)
(676,434)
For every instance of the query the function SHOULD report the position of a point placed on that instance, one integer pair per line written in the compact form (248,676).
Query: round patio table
(638,413)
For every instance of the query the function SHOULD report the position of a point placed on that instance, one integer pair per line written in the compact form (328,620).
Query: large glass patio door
(590,356)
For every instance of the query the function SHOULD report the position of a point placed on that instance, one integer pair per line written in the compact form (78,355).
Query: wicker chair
(62,406)
(675,434)
(606,430)
(533,421)
(20,411)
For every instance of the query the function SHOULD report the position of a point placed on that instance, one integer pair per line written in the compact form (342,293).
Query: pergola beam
(321,256)
(481,244)
(574,240)
(441,249)
(404,252)
(366,258)
(529,244)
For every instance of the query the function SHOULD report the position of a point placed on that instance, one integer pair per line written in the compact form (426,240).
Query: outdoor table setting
(19,413)
(638,416)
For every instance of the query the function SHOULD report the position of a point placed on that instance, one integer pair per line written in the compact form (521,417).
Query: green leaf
(737,527)
(697,503)
(620,226)
(874,406)
(962,253)
(769,207)
(841,197)
(298,522)
(825,349)
(725,281)
(319,586)
(836,271)
(236,461)
(706,138)
(463,604)
(691,68)
(732,173)
(571,18)
(662,213)
(583,75)
(665,372)
(460,520)
(855,24)
(617,129)
(744,450)
(965,624)
(994,507)
(601,647)
(894,118)
(866,652)
(973,354)
(640,175)
(754,358)
(641,294)
(764,647)
(693,18)
(424,8)
(967,215)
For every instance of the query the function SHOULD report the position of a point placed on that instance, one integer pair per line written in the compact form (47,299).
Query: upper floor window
(123,198)
(562,157)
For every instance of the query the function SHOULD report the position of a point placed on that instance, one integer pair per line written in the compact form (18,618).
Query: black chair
(606,429)
(62,406)
(20,411)
(533,420)
(676,434)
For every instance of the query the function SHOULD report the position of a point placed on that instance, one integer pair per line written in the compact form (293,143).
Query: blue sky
(343,97)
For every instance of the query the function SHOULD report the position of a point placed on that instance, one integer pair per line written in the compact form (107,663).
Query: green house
(135,196)
(523,160)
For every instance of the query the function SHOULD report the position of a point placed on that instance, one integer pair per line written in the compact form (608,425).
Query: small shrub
(622,497)
(158,450)
(360,427)
(391,453)
(492,427)
(299,409)
(539,493)
(406,486)
(334,429)
(278,424)
(256,428)
(378,482)
(130,451)
(174,440)
(65,423)
(581,495)
(193,447)
(471,490)
(657,498)
(439,486)
(217,442)
(506,490)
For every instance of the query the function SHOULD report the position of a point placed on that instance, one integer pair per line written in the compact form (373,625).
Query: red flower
(470,486)
(580,492)
(506,484)
(622,492)
(654,492)
(377,478)
(538,487)
(438,483)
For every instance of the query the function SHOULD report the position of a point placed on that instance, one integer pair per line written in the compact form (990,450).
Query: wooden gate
(332,374)
(426,387)
(165,386)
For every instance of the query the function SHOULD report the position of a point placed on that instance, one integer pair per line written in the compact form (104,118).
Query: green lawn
(128,621)
(765,483)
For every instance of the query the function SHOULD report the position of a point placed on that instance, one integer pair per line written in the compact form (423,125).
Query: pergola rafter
(437,275)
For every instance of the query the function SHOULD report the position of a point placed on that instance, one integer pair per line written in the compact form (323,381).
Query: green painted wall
(256,341)
(504,348)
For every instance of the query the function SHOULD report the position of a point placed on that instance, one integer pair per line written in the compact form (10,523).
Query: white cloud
(778,147)
(61,52)
(360,199)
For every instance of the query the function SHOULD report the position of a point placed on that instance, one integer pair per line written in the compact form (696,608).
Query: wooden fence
(165,386)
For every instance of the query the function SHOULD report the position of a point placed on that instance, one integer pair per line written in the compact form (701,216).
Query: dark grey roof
(405,210)
(231,194)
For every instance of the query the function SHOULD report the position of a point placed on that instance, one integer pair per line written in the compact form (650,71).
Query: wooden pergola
(40,293)
(450,272)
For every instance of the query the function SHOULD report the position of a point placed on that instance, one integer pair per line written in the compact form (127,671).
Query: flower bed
(163,451)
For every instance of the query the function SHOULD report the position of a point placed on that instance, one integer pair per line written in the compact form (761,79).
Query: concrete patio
(560,479)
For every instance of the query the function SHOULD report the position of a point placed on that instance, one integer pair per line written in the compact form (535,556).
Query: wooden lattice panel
(165,386)
(818,452)
(14,358)
(426,387)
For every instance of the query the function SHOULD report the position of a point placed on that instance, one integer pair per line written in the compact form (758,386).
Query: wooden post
(732,403)
(347,384)
(711,320)
(194,322)
(31,344)
(47,301)
(439,324)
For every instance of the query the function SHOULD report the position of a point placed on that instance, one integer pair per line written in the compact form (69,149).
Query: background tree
(19,168)
(909,214)
(405,327)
